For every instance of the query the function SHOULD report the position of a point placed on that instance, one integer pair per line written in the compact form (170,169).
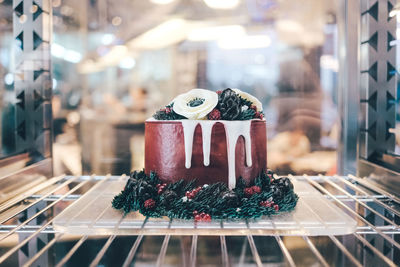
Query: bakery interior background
(116,62)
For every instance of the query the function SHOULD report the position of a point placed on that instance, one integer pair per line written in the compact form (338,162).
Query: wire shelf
(28,236)
(93,215)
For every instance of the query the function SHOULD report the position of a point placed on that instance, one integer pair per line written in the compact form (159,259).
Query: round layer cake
(208,151)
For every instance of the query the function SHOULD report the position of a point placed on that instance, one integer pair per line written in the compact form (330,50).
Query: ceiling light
(245,42)
(107,39)
(57,50)
(72,56)
(163,35)
(61,52)
(161,2)
(215,33)
(127,63)
(222,4)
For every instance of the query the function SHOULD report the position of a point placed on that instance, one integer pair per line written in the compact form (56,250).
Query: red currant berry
(256,189)
(248,191)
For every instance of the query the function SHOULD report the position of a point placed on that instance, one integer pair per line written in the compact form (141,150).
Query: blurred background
(115,63)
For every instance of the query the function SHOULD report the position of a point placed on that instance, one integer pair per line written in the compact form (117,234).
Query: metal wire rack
(27,236)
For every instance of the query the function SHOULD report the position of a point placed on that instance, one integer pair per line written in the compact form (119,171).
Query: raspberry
(215,114)
(256,189)
(150,203)
(276,207)
(197,218)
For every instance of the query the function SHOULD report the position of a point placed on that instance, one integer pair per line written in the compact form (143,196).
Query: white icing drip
(188,132)
(233,129)
(206,129)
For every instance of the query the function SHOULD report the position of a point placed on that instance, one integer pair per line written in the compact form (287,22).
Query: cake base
(186,200)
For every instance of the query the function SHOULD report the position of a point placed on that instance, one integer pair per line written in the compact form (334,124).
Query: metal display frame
(32,31)
(367,91)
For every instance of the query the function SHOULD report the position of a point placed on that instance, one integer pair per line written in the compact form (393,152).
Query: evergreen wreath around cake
(265,194)
(186,200)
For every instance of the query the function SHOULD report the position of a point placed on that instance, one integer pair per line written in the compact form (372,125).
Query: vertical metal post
(348,31)
(32,31)
(32,28)
(378,77)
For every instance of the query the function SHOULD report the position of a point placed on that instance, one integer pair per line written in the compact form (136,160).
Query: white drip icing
(233,130)
(206,128)
(188,132)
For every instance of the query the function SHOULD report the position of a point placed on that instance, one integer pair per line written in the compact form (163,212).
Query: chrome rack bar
(72,251)
(285,251)
(345,251)
(40,199)
(83,238)
(135,247)
(38,188)
(224,251)
(321,188)
(254,251)
(55,197)
(163,251)
(315,251)
(132,252)
(102,251)
(366,183)
(361,203)
(41,211)
(365,193)
(43,250)
(376,251)
(25,241)
(193,252)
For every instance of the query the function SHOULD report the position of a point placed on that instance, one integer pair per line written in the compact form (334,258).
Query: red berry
(219,92)
(215,114)
(195,212)
(248,191)
(197,218)
(276,207)
(253,107)
(256,189)
(168,110)
(149,204)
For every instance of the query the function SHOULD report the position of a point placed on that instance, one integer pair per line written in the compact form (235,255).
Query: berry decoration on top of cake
(205,158)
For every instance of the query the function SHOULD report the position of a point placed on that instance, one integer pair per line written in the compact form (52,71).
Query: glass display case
(79,78)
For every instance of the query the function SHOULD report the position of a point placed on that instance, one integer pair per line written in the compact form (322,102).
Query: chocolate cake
(205,157)
(209,151)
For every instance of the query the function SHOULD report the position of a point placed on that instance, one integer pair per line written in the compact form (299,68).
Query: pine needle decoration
(265,196)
